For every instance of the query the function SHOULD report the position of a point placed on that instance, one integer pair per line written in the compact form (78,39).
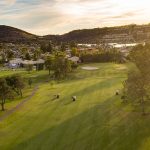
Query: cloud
(60,16)
(10,2)
(126,15)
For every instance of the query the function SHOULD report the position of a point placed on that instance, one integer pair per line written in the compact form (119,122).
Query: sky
(44,17)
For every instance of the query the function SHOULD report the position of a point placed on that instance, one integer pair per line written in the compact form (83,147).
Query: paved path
(9,112)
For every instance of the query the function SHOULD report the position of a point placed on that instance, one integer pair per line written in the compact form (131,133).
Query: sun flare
(75,10)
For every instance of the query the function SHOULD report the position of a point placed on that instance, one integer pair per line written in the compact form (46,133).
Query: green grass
(10,72)
(96,121)
(38,77)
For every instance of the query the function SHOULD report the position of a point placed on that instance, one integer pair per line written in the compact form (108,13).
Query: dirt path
(9,112)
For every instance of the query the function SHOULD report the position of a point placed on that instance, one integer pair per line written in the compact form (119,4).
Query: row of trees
(137,86)
(112,55)
(10,86)
(46,47)
(51,47)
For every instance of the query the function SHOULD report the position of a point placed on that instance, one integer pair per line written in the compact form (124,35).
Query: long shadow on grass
(98,86)
(101,85)
(102,127)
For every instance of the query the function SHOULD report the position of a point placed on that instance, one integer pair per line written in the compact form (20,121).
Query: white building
(15,63)
(74,59)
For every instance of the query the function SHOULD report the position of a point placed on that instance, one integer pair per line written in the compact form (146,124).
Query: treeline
(96,35)
(14,35)
(9,87)
(103,56)
(137,86)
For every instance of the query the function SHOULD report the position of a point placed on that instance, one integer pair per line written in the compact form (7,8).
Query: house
(74,59)
(39,64)
(18,62)
(15,63)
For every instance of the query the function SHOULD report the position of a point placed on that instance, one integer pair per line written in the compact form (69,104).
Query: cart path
(9,112)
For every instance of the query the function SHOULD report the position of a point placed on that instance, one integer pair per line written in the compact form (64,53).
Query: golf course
(97,120)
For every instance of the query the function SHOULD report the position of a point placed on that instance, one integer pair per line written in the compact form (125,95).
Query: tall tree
(37,54)
(10,54)
(49,63)
(16,83)
(62,66)
(5,92)
(49,47)
(27,56)
(63,47)
(72,45)
(74,51)
(138,83)
(135,89)
(29,67)
(43,47)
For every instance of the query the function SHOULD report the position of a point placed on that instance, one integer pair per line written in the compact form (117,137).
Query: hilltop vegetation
(14,35)
(119,34)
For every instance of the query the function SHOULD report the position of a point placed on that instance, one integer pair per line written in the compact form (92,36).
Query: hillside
(11,34)
(118,34)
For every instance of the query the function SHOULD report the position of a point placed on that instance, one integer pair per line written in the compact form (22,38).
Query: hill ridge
(117,34)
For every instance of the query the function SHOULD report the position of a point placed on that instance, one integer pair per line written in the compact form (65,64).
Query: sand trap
(90,68)
(121,68)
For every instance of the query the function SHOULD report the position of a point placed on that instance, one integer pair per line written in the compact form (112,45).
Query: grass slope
(96,121)
(38,77)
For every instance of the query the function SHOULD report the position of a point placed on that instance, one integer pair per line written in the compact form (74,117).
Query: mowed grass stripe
(92,122)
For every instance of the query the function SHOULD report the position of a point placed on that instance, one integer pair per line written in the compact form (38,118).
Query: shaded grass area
(10,72)
(37,77)
(98,120)
(96,128)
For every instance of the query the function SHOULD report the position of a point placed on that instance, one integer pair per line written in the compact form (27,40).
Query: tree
(135,89)
(67,67)
(137,86)
(43,47)
(62,66)
(74,52)
(24,51)
(5,92)
(111,55)
(73,45)
(140,55)
(16,83)
(27,56)
(49,63)
(37,54)
(63,47)
(10,54)
(49,47)
(30,82)
(29,67)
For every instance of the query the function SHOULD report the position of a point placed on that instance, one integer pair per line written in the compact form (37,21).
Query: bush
(104,56)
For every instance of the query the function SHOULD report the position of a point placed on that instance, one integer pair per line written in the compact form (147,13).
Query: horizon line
(75,29)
